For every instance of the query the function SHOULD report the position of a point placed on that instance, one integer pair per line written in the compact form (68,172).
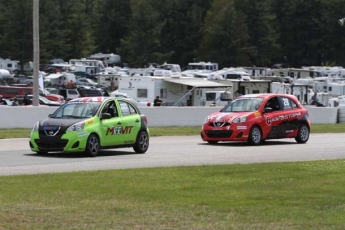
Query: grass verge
(302,195)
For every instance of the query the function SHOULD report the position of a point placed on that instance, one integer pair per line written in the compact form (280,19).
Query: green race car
(90,124)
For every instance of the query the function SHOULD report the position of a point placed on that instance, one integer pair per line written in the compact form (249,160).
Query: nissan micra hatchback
(90,124)
(258,117)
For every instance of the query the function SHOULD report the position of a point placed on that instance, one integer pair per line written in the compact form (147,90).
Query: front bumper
(68,142)
(233,132)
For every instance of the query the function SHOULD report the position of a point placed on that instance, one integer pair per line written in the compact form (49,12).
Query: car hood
(59,122)
(217,116)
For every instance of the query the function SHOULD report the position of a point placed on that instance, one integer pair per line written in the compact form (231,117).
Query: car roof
(267,95)
(88,99)
(93,99)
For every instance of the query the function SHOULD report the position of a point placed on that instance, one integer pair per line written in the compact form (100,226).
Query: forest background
(229,32)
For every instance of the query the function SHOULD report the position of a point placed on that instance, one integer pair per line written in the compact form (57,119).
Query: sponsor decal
(52,128)
(82,134)
(219,122)
(269,119)
(241,127)
(118,130)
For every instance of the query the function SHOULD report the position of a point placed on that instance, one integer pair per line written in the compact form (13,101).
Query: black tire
(92,146)
(142,143)
(213,142)
(255,136)
(303,134)
(42,153)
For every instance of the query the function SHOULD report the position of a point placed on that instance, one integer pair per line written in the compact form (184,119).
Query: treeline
(229,32)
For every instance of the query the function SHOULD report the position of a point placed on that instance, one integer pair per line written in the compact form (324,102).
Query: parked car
(7,102)
(69,94)
(52,90)
(29,80)
(135,101)
(17,91)
(45,101)
(258,117)
(86,91)
(90,124)
(86,82)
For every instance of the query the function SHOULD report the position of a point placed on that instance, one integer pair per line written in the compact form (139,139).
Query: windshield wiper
(70,116)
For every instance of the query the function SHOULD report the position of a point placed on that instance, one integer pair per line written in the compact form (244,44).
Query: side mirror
(50,115)
(105,116)
(268,110)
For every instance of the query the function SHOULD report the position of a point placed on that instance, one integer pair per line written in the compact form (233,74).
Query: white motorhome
(110,59)
(215,97)
(173,91)
(8,64)
(303,93)
(296,73)
(58,79)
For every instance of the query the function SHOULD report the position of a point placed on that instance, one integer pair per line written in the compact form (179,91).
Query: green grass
(299,195)
(177,130)
(302,195)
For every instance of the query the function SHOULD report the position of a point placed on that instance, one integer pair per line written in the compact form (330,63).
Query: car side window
(127,109)
(110,108)
(273,103)
(288,103)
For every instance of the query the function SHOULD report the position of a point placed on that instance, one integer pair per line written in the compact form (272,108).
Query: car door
(111,128)
(290,115)
(131,121)
(273,123)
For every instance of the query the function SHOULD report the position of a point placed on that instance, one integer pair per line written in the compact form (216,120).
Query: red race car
(258,117)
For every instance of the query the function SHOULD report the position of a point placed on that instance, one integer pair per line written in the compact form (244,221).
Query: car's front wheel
(92,146)
(213,142)
(255,136)
(142,143)
(41,153)
(303,134)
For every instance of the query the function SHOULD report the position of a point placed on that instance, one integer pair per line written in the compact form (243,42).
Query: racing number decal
(118,130)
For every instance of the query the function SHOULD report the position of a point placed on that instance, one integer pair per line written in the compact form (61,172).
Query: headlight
(206,120)
(76,127)
(36,126)
(240,119)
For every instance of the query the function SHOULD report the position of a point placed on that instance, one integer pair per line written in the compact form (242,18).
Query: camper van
(216,98)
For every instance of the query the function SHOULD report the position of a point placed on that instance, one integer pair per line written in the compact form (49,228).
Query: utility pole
(36,45)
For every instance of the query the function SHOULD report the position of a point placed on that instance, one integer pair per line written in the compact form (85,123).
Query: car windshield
(245,104)
(77,110)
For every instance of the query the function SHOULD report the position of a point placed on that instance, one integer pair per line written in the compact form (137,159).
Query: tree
(262,31)
(225,36)
(142,45)
(182,31)
(16,30)
(112,25)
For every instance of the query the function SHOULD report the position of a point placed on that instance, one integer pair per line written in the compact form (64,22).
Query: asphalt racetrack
(17,158)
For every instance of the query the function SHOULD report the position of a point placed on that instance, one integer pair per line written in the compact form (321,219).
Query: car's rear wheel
(212,142)
(142,143)
(255,136)
(303,134)
(92,146)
